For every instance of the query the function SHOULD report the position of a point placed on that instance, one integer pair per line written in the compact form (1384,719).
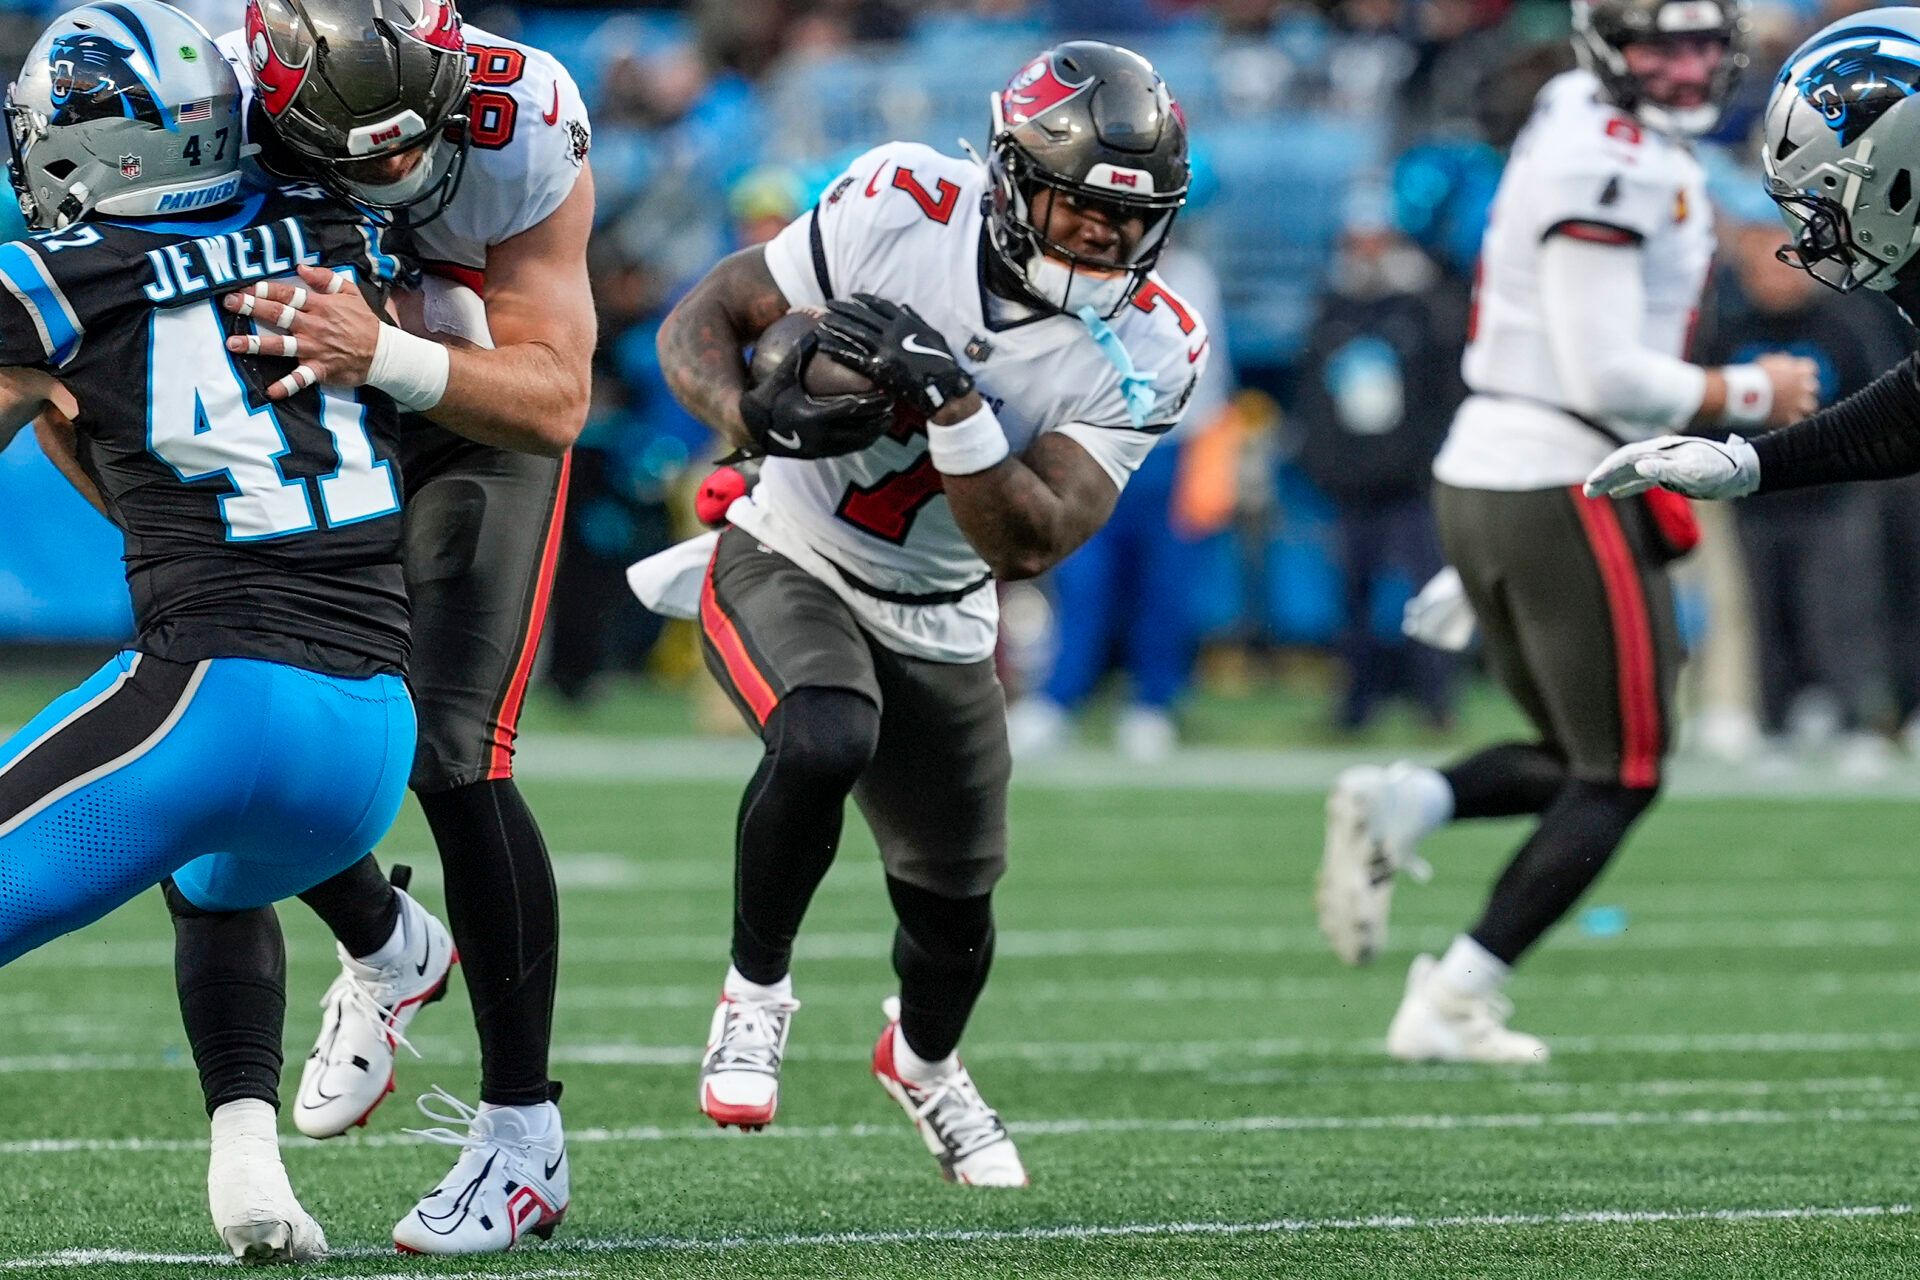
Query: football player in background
(253,740)
(1842,147)
(850,610)
(1595,253)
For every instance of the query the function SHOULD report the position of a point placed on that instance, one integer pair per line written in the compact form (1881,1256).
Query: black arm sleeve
(1873,434)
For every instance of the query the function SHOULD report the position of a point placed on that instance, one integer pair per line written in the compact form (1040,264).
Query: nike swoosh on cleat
(910,343)
(555,1166)
(790,441)
(553,116)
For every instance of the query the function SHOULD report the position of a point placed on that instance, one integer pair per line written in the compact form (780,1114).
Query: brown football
(824,375)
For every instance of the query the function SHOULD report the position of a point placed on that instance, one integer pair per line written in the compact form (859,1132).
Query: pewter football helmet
(124,108)
(1842,149)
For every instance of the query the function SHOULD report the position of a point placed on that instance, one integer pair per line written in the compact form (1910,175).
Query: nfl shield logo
(129,167)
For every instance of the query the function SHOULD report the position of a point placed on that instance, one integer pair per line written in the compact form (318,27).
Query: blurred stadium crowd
(1346,153)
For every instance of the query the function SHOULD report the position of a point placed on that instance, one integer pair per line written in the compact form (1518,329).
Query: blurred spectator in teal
(1379,383)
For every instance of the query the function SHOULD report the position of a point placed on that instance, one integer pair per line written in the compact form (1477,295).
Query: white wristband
(969,445)
(1749,395)
(412,370)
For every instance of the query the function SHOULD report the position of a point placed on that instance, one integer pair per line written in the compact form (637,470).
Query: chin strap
(1135,387)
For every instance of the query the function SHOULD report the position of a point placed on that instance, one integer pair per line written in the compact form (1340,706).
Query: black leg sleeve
(1502,781)
(358,905)
(819,742)
(504,913)
(942,952)
(1577,836)
(230,968)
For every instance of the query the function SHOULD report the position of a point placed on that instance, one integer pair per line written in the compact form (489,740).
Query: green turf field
(1194,1082)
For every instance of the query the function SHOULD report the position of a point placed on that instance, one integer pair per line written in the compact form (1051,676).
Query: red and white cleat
(512,1179)
(964,1134)
(368,1009)
(740,1075)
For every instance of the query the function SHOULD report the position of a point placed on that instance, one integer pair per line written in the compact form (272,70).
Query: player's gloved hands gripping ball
(1690,465)
(784,420)
(896,348)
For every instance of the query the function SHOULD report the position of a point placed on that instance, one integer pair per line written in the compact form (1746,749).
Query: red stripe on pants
(1638,674)
(507,724)
(752,686)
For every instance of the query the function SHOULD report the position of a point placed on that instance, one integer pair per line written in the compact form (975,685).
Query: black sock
(1500,782)
(1576,837)
(230,968)
(359,906)
(819,742)
(942,951)
(504,913)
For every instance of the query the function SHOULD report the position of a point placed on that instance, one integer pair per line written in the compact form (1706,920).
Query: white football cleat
(964,1134)
(253,1205)
(367,1010)
(1437,1022)
(511,1180)
(740,1075)
(1038,727)
(1371,832)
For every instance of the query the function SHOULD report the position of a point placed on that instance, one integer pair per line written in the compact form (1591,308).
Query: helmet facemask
(419,197)
(1057,276)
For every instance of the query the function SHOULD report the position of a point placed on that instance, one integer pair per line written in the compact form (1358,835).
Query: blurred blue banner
(60,575)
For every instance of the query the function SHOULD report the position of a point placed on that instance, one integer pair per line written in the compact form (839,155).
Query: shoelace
(455,1112)
(359,998)
(750,1036)
(959,1116)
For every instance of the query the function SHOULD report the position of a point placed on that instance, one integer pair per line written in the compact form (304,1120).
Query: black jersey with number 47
(254,529)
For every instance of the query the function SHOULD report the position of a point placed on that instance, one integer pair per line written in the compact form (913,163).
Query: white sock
(736,985)
(396,944)
(1470,968)
(913,1066)
(248,1120)
(534,1122)
(1428,794)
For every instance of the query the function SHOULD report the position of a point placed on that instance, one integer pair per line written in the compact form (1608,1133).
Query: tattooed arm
(701,339)
(1026,514)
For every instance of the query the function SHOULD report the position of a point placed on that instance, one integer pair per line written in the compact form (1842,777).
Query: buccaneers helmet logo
(1036,90)
(94,79)
(274,78)
(1854,87)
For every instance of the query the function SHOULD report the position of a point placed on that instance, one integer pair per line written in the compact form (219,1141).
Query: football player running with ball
(850,609)
(1842,157)
(1594,257)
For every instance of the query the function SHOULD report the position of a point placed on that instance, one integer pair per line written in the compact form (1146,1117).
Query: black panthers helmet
(343,81)
(1602,29)
(1092,123)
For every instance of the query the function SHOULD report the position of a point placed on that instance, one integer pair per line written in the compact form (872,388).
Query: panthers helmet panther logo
(1855,86)
(94,79)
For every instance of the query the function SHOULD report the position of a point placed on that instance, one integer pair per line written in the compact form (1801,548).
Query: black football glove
(784,421)
(896,348)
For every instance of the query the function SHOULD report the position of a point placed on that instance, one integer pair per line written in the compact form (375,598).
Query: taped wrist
(413,370)
(1749,395)
(970,445)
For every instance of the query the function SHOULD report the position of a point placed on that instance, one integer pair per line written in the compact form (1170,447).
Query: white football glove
(1691,465)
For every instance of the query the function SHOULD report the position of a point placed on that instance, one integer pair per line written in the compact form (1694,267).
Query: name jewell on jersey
(186,268)
(905,223)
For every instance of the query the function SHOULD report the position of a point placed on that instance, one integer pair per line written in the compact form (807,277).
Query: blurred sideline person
(1813,558)
(1591,271)
(1842,146)
(478,147)
(849,609)
(1380,383)
(253,740)
(1128,594)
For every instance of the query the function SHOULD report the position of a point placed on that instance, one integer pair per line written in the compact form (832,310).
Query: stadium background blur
(1345,156)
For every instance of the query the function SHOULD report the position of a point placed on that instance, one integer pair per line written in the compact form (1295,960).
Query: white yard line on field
(1134,1055)
(1896,1108)
(1094,1231)
(624,761)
